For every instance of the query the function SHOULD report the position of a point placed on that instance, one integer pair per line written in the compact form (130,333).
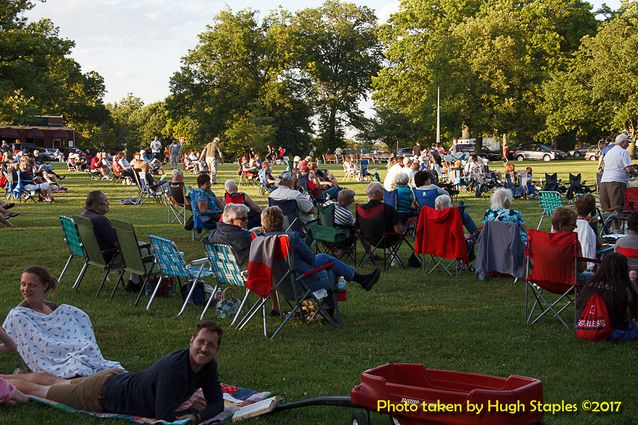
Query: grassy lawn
(444,323)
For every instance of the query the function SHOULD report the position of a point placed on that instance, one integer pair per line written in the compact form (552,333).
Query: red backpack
(594,323)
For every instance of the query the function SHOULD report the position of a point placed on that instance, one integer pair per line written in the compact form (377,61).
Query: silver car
(537,151)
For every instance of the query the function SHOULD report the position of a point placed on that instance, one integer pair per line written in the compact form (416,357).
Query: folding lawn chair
(425,198)
(171,263)
(177,203)
(391,198)
(551,183)
(134,261)
(388,242)
(554,258)
(145,191)
(331,238)
(439,234)
(549,201)
(226,271)
(271,260)
(108,260)
(20,192)
(73,243)
(290,209)
(500,250)
(576,187)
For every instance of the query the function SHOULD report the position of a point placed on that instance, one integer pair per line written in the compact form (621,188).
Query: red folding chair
(553,259)
(271,260)
(439,234)
(631,199)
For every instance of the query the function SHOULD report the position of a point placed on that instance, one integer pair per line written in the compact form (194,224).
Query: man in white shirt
(390,178)
(618,168)
(285,192)
(156,148)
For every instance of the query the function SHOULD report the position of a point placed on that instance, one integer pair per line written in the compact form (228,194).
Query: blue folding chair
(425,197)
(171,263)
(226,271)
(391,198)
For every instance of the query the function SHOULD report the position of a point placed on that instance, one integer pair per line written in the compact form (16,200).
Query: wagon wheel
(359,418)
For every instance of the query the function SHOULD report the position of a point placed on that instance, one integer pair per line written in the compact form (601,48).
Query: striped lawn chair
(226,271)
(72,239)
(549,201)
(171,263)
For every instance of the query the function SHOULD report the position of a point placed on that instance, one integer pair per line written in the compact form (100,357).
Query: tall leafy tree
(240,74)
(38,77)
(336,46)
(488,56)
(598,88)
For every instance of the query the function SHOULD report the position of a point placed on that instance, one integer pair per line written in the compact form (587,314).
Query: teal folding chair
(549,201)
(171,263)
(73,243)
(227,272)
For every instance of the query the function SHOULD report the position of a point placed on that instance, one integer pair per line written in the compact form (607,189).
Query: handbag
(227,306)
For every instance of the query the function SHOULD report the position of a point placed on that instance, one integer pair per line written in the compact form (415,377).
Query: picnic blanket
(61,343)
(234,399)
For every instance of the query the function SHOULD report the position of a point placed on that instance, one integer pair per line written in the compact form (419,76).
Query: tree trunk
(332,124)
(505,146)
(632,146)
(465,131)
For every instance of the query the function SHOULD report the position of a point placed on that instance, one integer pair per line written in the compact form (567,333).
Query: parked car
(404,152)
(470,149)
(592,153)
(48,154)
(537,151)
(578,152)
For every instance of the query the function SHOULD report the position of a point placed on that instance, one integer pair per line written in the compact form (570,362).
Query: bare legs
(39,378)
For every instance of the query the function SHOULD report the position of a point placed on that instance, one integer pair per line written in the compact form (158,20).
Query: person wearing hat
(616,172)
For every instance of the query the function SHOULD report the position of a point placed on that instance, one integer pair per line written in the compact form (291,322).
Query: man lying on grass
(154,392)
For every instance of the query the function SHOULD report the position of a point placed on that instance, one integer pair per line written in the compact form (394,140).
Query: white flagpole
(438,115)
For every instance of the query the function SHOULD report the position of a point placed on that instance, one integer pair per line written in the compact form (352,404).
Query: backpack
(593,323)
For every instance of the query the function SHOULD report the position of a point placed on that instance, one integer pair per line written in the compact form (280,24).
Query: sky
(137,45)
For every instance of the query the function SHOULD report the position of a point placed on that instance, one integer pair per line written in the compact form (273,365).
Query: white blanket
(61,343)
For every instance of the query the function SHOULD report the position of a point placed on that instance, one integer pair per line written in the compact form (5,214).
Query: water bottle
(342,295)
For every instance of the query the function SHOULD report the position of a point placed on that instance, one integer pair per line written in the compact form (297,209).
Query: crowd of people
(56,342)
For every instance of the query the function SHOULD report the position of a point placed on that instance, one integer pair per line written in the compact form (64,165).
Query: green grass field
(444,323)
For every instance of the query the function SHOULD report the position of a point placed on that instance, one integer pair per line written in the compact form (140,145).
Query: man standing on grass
(155,392)
(175,151)
(213,155)
(616,172)
(156,148)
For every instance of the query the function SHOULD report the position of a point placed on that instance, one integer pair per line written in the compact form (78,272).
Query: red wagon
(412,394)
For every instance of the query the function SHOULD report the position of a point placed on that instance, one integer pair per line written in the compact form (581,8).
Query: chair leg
(107,270)
(68,261)
(78,280)
(120,278)
(208,303)
(241,306)
(157,286)
(142,289)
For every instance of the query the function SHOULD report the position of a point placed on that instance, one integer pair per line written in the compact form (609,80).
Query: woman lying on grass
(52,338)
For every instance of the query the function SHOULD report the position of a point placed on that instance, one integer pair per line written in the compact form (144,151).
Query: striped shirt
(343,217)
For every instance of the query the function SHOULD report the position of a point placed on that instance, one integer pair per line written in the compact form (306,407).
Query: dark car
(578,152)
(404,152)
(537,151)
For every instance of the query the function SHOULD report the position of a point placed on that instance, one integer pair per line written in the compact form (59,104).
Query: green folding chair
(94,255)
(330,238)
(73,243)
(134,261)
(549,201)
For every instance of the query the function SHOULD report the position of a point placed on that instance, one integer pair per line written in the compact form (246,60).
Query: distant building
(43,131)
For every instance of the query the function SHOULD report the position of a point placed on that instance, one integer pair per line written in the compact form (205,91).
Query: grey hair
(231,211)
(501,199)
(345,196)
(177,175)
(401,179)
(286,179)
(442,202)
(230,186)
(373,187)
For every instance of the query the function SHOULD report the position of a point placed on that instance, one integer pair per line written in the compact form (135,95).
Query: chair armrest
(318,269)
(589,260)
(148,258)
(199,261)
